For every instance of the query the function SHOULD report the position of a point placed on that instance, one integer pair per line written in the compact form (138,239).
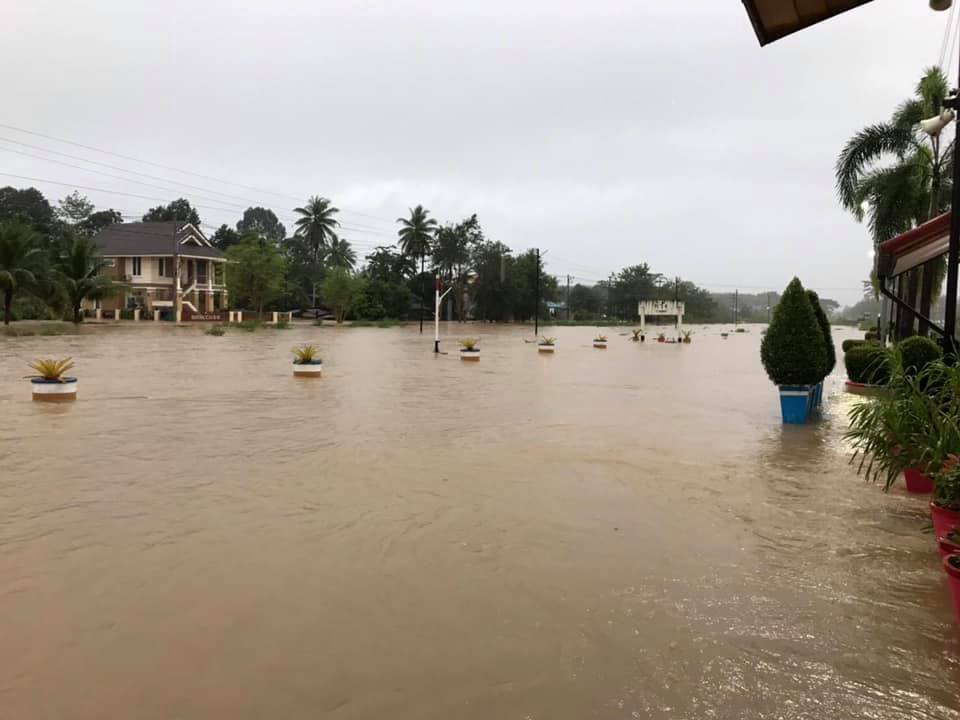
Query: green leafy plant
(829,348)
(600,338)
(687,335)
(915,353)
(851,343)
(216,330)
(51,370)
(305,355)
(282,325)
(869,363)
(636,335)
(469,344)
(793,350)
(548,341)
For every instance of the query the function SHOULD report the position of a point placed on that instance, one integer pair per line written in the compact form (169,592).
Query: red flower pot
(917,482)
(951,563)
(944,520)
(949,544)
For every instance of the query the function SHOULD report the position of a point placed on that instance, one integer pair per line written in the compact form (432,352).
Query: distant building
(162,265)
(556,308)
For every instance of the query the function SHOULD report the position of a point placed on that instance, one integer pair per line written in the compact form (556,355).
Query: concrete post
(156,316)
(136,314)
(99,314)
(239,316)
(276,317)
(179,316)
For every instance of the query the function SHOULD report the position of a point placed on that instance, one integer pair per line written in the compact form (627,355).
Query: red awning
(774,19)
(915,247)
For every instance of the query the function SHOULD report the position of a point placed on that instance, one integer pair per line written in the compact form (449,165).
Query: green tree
(28,205)
(904,177)
(262,222)
(74,208)
(583,303)
(523,279)
(179,209)
(388,265)
(341,255)
(451,258)
(630,286)
(340,291)
(317,225)
(225,237)
(21,260)
(97,221)
(829,348)
(255,272)
(416,235)
(78,274)
(491,290)
(793,351)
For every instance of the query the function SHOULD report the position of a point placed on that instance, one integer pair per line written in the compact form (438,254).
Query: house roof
(774,19)
(915,247)
(154,238)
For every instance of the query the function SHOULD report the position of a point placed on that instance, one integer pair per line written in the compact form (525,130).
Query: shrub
(915,353)
(871,336)
(868,363)
(851,342)
(793,350)
(829,348)
(216,330)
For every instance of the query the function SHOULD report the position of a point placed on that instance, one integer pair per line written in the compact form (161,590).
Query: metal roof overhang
(774,19)
(914,247)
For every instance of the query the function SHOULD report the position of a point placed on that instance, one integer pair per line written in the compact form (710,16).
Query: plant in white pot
(51,383)
(546,344)
(600,341)
(469,349)
(307,362)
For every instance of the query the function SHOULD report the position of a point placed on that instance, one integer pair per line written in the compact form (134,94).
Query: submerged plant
(51,370)
(548,341)
(686,336)
(636,335)
(469,344)
(216,330)
(600,338)
(305,355)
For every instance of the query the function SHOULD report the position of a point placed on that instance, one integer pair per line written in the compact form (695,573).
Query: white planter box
(546,348)
(470,356)
(307,369)
(55,391)
(600,344)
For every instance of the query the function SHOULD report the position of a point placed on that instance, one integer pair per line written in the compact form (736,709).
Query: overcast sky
(607,133)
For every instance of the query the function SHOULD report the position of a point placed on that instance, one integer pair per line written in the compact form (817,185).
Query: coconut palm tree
(317,225)
(898,176)
(21,258)
(416,236)
(340,254)
(77,271)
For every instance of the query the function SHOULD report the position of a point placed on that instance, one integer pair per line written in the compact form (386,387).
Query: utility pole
(536,312)
(610,296)
(736,308)
(437,299)
(568,298)
(768,308)
(423,289)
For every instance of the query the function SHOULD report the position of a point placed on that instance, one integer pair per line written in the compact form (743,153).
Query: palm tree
(20,261)
(416,235)
(340,254)
(317,224)
(903,177)
(78,274)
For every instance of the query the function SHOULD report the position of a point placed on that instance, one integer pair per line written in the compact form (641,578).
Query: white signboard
(660,307)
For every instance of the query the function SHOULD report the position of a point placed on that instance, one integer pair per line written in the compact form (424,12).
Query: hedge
(852,342)
(831,350)
(916,352)
(868,363)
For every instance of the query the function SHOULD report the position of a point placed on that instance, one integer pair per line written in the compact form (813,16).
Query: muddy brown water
(613,533)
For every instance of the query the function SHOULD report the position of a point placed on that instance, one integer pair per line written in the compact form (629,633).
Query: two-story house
(162,266)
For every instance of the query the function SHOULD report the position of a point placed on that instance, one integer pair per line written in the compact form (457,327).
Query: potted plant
(868,367)
(951,563)
(661,338)
(637,337)
(546,344)
(469,349)
(600,341)
(306,362)
(829,349)
(949,544)
(945,506)
(793,352)
(51,383)
(687,337)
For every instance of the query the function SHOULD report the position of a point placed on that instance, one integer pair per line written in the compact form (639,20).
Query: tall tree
(74,208)
(317,224)
(903,175)
(451,258)
(179,209)
(416,236)
(78,273)
(21,261)
(263,222)
(341,255)
(492,290)
(255,272)
(341,290)
(225,237)
(387,265)
(28,205)
(97,221)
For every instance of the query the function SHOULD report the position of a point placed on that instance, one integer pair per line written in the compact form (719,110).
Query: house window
(160,266)
(136,267)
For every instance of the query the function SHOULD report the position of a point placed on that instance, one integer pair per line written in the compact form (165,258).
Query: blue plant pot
(795,403)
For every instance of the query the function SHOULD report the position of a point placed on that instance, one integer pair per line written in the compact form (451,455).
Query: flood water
(628,533)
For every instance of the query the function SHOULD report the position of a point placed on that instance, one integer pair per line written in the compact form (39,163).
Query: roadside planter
(469,352)
(306,362)
(794,354)
(661,338)
(636,335)
(546,345)
(600,341)
(687,337)
(51,383)
(951,563)
(944,519)
(949,544)
(917,482)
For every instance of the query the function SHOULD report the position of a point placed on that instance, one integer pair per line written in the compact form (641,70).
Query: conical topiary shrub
(794,352)
(831,350)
